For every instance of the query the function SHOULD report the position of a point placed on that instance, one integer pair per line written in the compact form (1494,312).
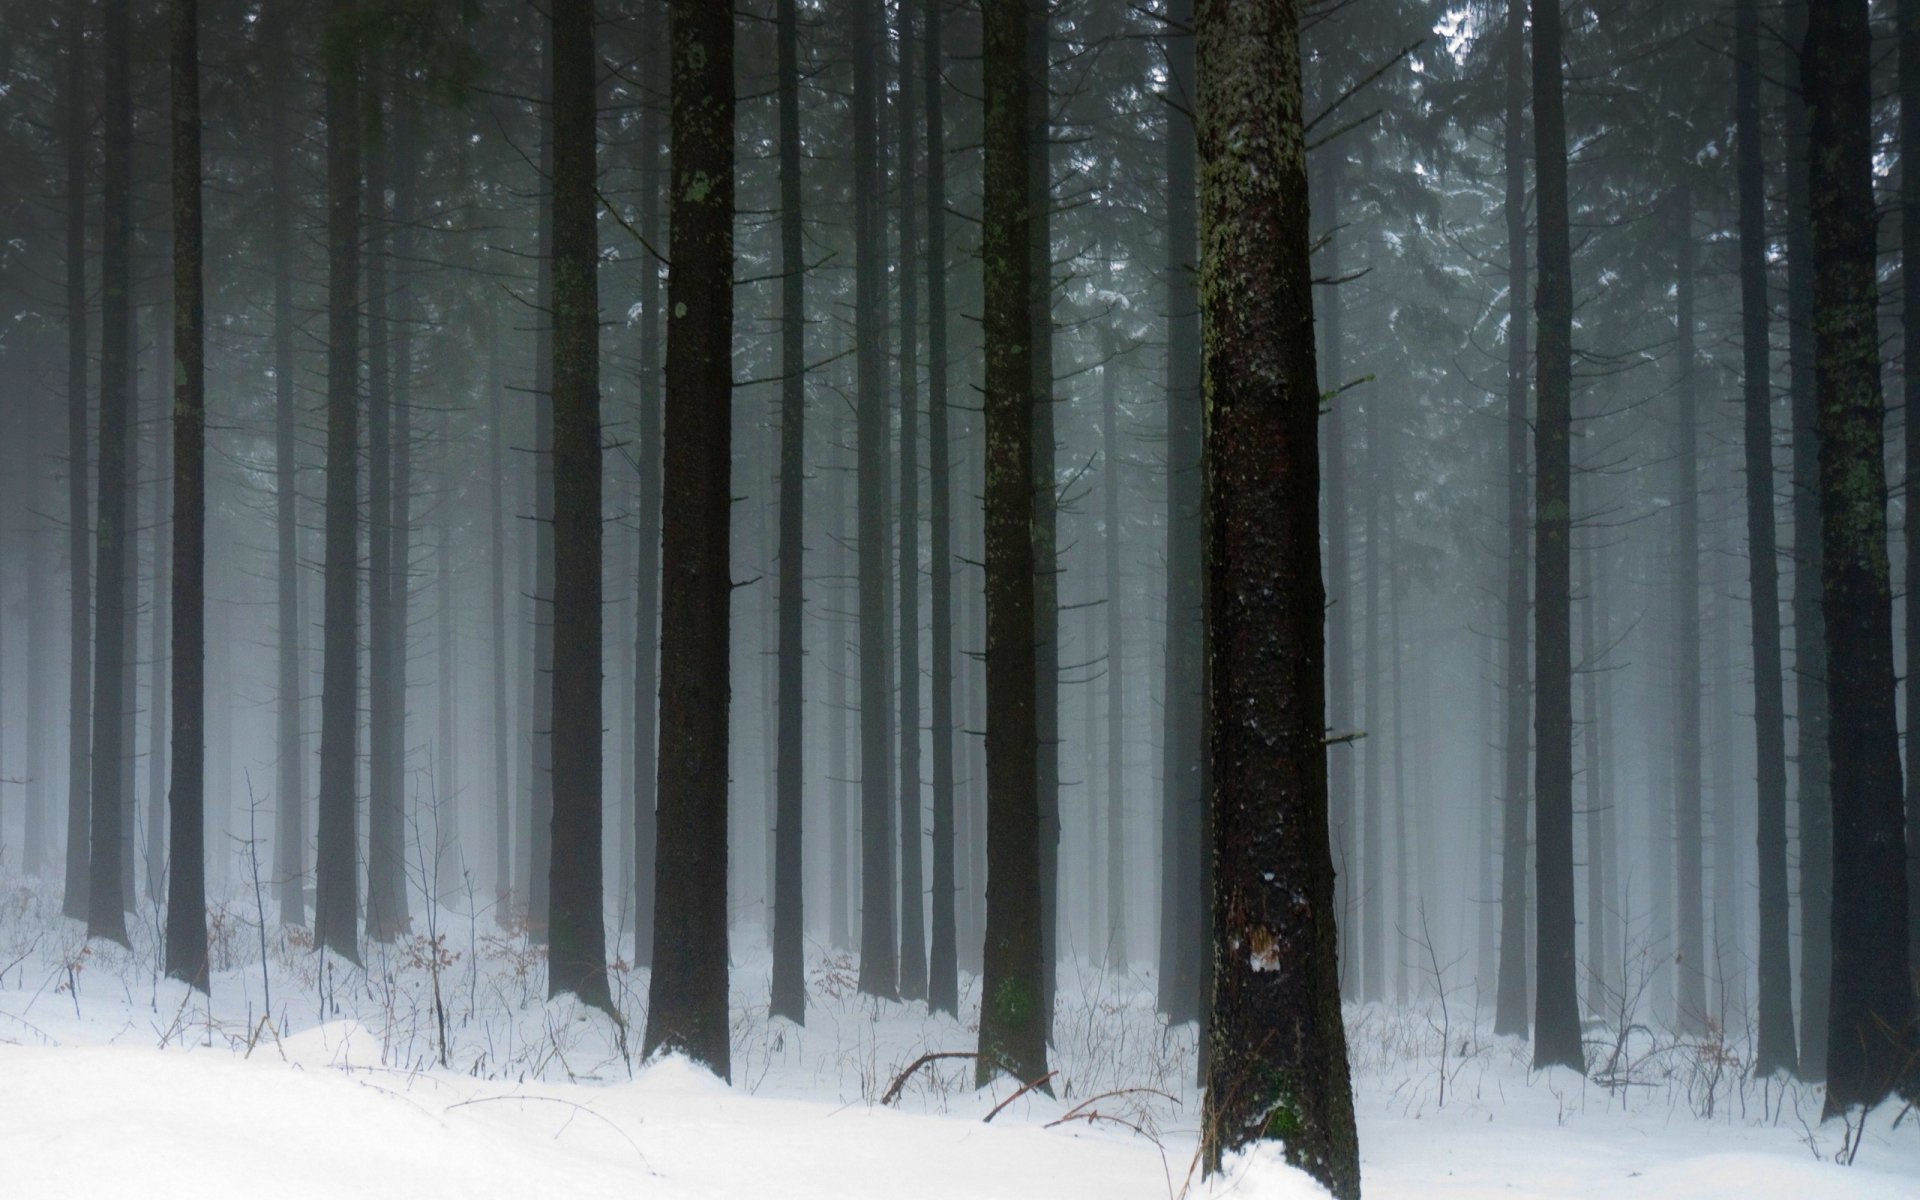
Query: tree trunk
(1373,876)
(1908,15)
(386,722)
(1278,1064)
(154,852)
(879,974)
(1556,998)
(687,1003)
(1046,563)
(789,919)
(1013,1016)
(497,587)
(943,975)
(1339,581)
(1510,997)
(913,945)
(1811,717)
(577,933)
(1775,1047)
(646,658)
(540,818)
(337,898)
(79,544)
(1114,936)
(1181,918)
(1690,963)
(1870,1019)
(115,539)
(186,881)
(290,826)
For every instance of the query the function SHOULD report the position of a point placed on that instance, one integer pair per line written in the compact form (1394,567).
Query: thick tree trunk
(115,533)
(577,933)
(1013,1015)
(1908,14)
(386,724)
(1775,1046)
(943,975)
(540,800)
(1690,963)
(789,918)
(1046,563)
(337,894)
(879,974)
(1113,938)
(1556,996)
(913,945)
(1510,997)
(186,880)
(1870,1048)
(79,527)
(1279,1059)
(1181,900)
(687,1003)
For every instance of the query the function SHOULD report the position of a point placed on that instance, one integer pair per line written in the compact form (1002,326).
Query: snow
(115,1083)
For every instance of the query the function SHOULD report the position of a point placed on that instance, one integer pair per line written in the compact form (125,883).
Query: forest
(995,597)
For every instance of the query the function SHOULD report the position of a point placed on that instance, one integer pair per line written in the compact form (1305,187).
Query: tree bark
(1556,996)
(1908,16)
(1046,563)
(943,975)
(1870,1018)
(186,880)
(687,1003)
(646,658)
(1510,997)
(337,894)
(1114,936)
(79,527)
(115,534)
(913,945)
(386,722)
(1278,1065)
(789,918)
(1690,963)
(1774,1049)
(290,827)
(1013,1029)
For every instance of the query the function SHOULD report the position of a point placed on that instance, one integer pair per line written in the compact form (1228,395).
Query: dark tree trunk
(115,533)
(1775,1047)
(646,657)
(1598,773)
(159,625)
(1013,1013)
(290,825)
(913,945)
(540,800)
(1181,900)
(687,1003)
(1811,718)
(79,544)
(336,872)
(497,587)
(1373,876)
(1556,995)
(789,919)
(1046,564)
(1690,964)
(1510,997)
(1278,1063)
(943,974)
(1339,573)
(1870,1019)
(186,880)
(1908,13)
(577,933)
(879,975)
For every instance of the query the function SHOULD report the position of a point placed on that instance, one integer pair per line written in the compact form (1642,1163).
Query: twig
(1023,1090)
(900,1080)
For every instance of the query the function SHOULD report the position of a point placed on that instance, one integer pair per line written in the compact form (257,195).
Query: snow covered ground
(116,1083)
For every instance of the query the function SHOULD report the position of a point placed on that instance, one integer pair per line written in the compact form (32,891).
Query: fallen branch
(900,1080)
(1023,1090)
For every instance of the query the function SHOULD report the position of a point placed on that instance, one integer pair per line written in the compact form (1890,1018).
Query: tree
(647,586)
(114,537)
(1775,1043)
(789,966)
(1908,15)
(879,972)
(913,945)
(186,880)
(1510,996)
(1013,1024)
(80,597)
(687,998)
(1870,1047)
(1690,961)
(336,875)
(943,973)
(578,958)
(1279,1058)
